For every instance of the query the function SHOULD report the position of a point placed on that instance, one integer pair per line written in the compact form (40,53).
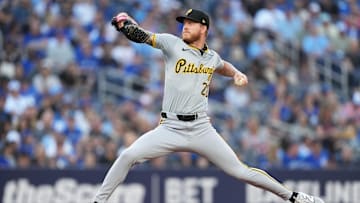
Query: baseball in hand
(121,18)
(240,79)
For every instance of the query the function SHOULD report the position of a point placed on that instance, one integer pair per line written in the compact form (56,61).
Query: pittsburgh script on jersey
(183,67)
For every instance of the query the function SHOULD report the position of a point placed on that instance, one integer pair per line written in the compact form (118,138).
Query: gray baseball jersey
(187,77)
(187,74)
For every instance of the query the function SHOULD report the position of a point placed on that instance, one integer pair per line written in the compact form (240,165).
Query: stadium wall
(171,186)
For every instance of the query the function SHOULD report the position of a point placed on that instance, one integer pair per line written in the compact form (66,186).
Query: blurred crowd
(52,52)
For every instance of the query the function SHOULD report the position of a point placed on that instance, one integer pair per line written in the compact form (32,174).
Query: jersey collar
(205,49)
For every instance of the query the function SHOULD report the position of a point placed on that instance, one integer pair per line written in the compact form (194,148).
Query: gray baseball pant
(196,136)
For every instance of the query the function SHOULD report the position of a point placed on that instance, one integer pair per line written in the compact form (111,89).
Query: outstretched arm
(229,70)
(130,28)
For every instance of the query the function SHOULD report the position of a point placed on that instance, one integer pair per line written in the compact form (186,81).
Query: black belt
(182,117)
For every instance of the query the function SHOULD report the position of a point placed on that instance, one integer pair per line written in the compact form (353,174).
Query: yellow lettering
(188,67)
(194,69)
(209,76)
(179,64)
(201,68)
(182,66)
(211,71)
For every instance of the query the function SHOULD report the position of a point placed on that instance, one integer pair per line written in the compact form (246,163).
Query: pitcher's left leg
(211,145)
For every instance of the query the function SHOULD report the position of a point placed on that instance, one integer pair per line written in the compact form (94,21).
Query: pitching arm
(229,70)
(129,27)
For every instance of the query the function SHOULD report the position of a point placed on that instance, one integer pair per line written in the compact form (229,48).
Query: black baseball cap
(196,16)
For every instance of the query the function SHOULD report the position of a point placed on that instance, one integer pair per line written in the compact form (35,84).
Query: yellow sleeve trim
(153,40)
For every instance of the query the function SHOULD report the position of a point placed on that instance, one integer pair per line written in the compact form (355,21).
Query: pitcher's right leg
(155,143)
(116,174)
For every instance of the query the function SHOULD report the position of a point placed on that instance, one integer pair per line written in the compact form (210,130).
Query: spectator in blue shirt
(259,46)
(86,58)
(72,132)
(319,157)
(314,43)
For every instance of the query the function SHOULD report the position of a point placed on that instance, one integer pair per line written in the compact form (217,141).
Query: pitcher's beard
(190,40)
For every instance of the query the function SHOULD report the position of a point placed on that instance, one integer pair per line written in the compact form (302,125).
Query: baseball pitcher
(184,125)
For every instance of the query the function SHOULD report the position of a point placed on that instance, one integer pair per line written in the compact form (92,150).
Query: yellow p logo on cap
(188,12)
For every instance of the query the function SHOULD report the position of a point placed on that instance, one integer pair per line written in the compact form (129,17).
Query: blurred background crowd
(74,93)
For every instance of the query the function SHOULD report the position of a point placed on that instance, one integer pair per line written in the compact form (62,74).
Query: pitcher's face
(191,31)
